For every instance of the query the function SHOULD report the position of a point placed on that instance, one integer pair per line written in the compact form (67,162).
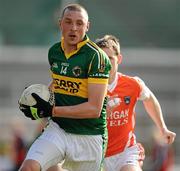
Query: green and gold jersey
(71,74)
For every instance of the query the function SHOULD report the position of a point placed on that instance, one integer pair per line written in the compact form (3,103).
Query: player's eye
(79,23)
(68,21)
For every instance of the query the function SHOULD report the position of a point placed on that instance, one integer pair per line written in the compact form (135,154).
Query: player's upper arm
(145,91)
(98,80)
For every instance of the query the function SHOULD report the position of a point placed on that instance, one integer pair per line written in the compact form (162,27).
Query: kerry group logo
(67,85)
(70,86)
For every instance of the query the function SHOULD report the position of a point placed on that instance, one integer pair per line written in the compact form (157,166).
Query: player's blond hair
(74,7)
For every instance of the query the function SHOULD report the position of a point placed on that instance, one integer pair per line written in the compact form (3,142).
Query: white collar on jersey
(112,86)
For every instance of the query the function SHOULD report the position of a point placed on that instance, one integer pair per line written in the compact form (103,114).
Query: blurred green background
(138,23)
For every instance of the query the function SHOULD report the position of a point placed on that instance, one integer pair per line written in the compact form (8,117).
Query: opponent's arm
(154,110)
(90,109)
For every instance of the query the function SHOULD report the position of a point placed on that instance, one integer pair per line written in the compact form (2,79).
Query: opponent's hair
(109,41)
(74,7)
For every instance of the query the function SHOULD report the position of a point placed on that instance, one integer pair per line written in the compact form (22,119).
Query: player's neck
(69,48)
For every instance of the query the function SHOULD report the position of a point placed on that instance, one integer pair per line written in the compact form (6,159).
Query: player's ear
(87,28)
(60,23)
(120,58)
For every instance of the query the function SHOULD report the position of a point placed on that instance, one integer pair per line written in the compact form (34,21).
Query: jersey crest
(77,71)
(127,99)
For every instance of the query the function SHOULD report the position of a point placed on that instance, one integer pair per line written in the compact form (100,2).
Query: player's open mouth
(72,36)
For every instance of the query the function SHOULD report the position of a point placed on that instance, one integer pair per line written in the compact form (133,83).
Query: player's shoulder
(54,49)
(93,48)
(55,46)
(131,79)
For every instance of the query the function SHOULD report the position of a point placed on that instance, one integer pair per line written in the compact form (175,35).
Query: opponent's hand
(41,109)
(168,136)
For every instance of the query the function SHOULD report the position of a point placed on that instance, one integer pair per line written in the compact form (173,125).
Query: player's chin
(76,39)
(73,41)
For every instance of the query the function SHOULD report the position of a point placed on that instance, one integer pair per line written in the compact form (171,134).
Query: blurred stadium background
(149,32)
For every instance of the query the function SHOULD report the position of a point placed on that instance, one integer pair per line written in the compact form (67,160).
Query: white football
(41,90)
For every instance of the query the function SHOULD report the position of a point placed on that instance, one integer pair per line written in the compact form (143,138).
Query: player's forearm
(153,108)
(90,109)
(81,111)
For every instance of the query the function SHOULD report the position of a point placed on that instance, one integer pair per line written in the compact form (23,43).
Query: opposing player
(77,130)
(123,152)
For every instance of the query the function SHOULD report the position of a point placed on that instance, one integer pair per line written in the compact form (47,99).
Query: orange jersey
(123,95)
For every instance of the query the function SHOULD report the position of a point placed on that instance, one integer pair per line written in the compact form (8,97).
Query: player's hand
(169,136)
(41,109)
(26,110)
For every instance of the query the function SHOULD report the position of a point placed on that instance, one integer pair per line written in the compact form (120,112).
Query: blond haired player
(123,152)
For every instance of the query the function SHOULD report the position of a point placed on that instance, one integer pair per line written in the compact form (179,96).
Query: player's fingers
(170,138)
(37,98)
(35,95)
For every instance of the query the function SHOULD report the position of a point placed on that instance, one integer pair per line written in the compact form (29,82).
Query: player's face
(114,60)
(74,26)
